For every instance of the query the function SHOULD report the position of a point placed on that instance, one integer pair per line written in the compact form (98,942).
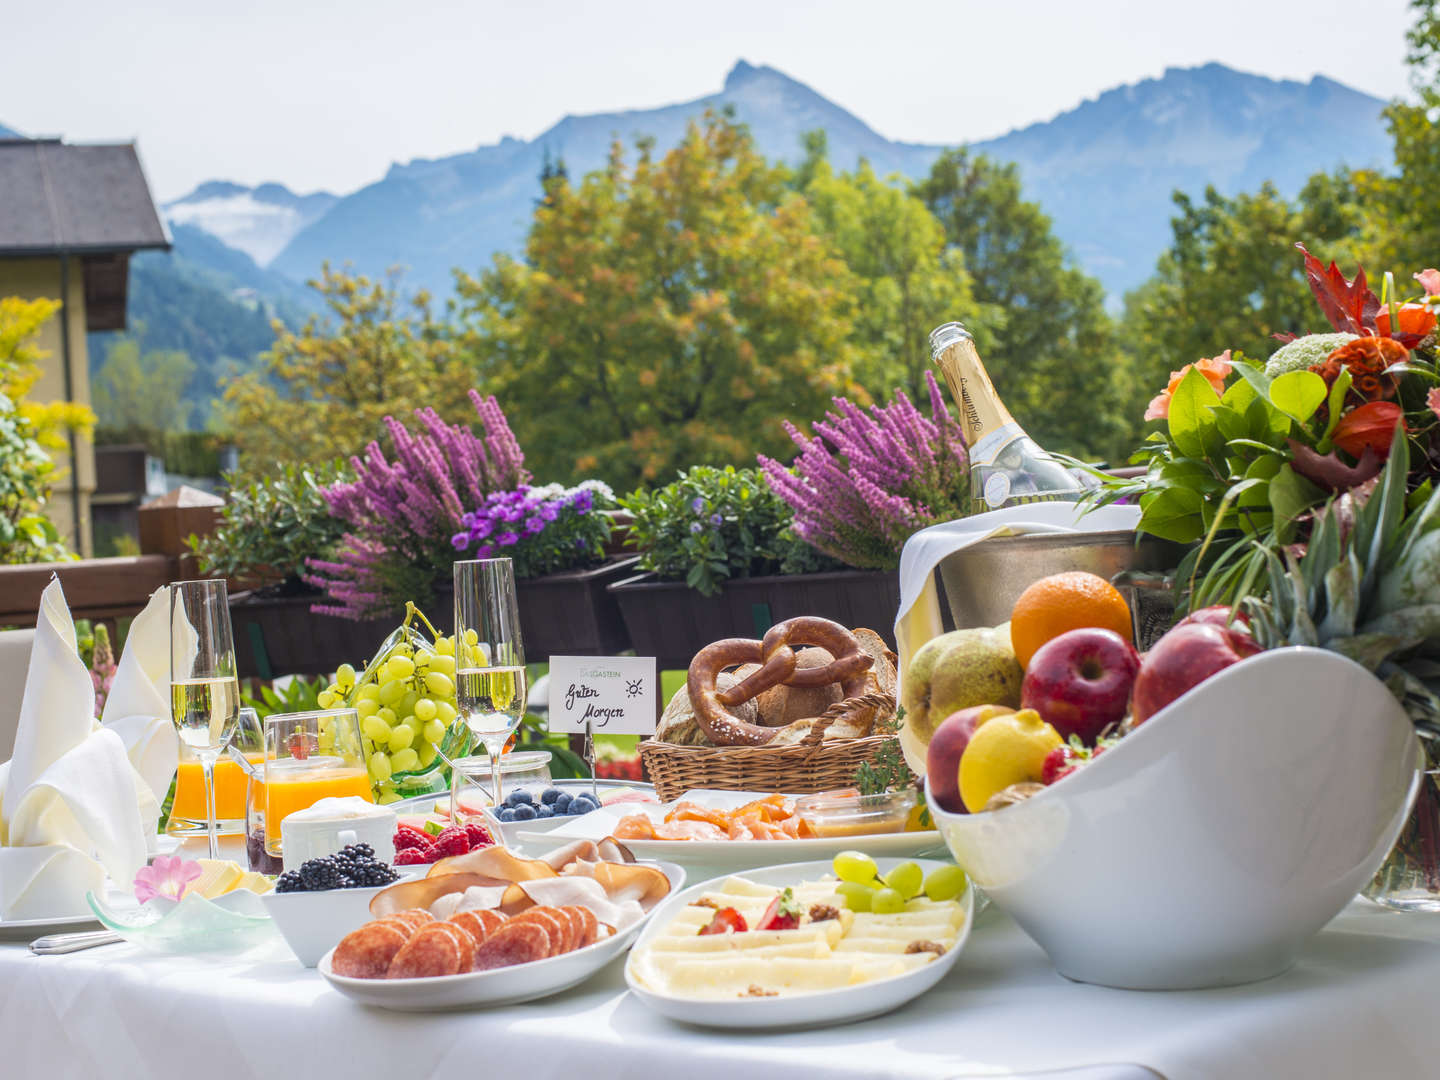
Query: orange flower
(1366,358)
(1215,369)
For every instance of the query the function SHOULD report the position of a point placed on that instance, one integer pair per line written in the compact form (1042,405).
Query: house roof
(56,198)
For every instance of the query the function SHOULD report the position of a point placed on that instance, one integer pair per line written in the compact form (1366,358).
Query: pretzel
(776,658)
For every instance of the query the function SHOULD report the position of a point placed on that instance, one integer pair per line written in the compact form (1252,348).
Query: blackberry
(318,875)
(372,874)
(289,881)
(358,851)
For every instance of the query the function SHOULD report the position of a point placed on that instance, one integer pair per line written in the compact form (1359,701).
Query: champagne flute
(204,690)
(490,684)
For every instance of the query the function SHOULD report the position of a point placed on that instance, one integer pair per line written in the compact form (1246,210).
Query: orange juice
(230,781)
(302,788)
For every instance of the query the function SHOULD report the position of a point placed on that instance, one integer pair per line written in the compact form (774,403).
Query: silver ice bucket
(982,582)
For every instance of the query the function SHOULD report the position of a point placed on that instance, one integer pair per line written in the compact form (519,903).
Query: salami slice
(575,927)
(367,953)
(556,928)
(478,924)
(590,924)
(438,948)
(414,918)
(514,943)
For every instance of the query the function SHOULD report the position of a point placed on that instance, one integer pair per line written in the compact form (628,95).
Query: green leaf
(1256,377)
(1238,396)
(1298,394)
(1336,405)
(1191,421)
(1232,424)
(1290,496)
(1173,514)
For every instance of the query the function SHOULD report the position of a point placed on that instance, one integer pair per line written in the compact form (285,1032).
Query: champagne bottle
(1007,467)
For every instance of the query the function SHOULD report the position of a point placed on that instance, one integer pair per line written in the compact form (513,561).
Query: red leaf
(1329,471)
(1285,339)
(1369,427)
(1350,306)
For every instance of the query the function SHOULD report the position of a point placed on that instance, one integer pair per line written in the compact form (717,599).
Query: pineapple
(1368,587)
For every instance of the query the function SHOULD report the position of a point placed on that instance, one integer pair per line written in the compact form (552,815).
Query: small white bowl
(1214,840)
(313,923)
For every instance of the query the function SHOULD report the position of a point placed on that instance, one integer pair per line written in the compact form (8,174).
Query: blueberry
(521,798)
(525,813)
(578,807)
(549,795)
(562,802)
(507,814)
(545,810)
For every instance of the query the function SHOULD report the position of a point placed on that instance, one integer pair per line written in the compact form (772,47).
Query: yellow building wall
(32,279)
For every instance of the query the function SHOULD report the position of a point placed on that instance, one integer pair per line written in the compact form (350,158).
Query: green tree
(1051,349)
(132,391)
(322,391)
(1231,278)
(909,281)
(20,356)
(668,312)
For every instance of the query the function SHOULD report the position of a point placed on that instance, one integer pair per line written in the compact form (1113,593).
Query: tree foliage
(135,391)
(1049,345)
(321,392)
(20,356)
(908,281)
(668,312)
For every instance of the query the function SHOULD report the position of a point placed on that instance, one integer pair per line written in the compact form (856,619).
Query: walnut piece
(925,946)
(821,912)
(758,991)
(705,901)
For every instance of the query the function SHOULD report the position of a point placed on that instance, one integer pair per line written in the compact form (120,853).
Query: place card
(614,695)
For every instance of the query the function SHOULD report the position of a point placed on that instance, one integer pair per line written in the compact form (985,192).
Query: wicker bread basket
(801,768)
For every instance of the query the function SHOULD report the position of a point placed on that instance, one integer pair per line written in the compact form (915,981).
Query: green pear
(955,671)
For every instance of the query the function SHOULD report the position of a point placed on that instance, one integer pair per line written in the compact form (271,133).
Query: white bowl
(1216,838)
(313,923)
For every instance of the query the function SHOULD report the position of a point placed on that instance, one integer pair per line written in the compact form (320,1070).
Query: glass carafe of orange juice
(310,756)
(187,811)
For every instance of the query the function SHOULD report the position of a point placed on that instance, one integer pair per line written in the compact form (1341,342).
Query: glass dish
(236,920)
(848,813)
(524,769)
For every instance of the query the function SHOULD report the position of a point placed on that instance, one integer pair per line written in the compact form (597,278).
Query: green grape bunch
(405,699)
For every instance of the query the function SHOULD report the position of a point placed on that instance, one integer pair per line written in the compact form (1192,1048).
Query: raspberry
(478,835)
(415,856)
(408,836)
(451,841)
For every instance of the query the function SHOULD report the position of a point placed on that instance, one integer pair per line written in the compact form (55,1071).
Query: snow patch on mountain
(259,221)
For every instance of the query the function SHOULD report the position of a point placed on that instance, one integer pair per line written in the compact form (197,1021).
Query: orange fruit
(1069,601)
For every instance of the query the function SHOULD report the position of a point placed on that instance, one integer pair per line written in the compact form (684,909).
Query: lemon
(1007,749)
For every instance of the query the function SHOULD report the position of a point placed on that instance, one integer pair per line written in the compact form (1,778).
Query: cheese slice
(217,877)
(255,881)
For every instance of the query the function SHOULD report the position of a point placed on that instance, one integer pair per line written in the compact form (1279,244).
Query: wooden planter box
(672,622)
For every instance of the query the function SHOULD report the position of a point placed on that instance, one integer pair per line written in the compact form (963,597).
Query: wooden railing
(104,590)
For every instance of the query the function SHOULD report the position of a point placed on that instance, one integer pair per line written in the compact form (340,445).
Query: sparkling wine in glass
(490,683)
(204,690)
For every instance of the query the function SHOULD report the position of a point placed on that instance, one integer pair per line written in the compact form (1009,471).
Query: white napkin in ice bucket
(72,806)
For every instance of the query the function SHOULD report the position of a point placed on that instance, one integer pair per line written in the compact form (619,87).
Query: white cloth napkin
(71,804)
(138,706)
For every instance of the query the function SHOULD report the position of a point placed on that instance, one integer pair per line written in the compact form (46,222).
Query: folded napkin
(72,806)
(138,705)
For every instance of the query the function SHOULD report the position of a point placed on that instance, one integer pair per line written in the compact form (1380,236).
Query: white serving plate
(513,833)
(723,856)
(818,1009)
(504,986)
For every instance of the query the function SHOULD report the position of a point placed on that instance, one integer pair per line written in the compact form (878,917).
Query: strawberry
(478,835)
(407,836)
(414,856)
(451,841)
(726,921)
(782,914)
(1058,762)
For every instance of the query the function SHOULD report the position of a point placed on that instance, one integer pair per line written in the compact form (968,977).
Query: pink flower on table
(1432,399)
(167,875)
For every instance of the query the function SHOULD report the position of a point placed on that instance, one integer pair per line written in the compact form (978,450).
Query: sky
(326,96)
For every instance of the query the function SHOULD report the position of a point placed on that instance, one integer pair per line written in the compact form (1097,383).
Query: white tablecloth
(1361,1003)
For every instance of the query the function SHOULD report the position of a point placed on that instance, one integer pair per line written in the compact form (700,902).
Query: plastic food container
(848,813)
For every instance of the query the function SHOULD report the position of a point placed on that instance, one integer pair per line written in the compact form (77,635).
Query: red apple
(1079,681)
(1226,618)
(942,760)
(1184,658)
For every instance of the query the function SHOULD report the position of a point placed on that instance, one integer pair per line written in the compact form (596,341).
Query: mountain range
(1104,170)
